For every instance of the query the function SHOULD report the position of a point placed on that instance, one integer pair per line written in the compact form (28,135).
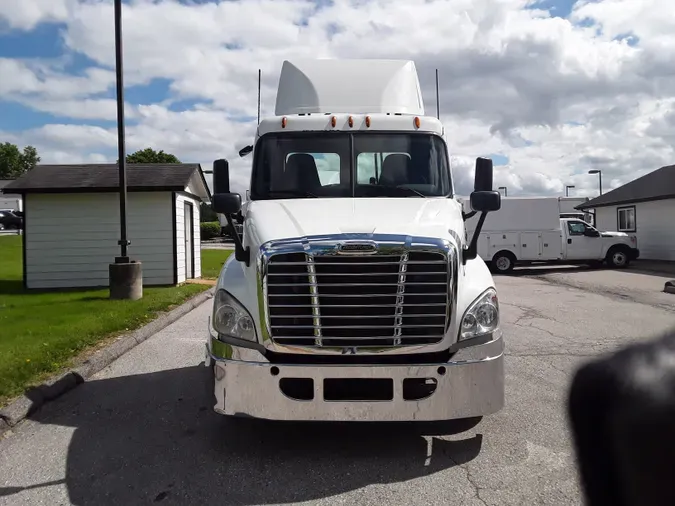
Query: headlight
(482,317)
(231,319)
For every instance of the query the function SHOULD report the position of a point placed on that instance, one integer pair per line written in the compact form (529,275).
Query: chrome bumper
(470,384)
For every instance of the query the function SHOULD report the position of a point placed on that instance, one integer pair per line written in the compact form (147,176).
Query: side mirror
(482,200)
(221,177)
(485,201)
(245,151)
(482,181)
(226,203)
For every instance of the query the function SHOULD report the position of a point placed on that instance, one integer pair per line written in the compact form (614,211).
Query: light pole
(567,189)
(506,192)
(599,173)
(125,275)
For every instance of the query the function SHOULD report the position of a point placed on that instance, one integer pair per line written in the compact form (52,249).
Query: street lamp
(599,173)
(506,193)
(125,275)
(567,189)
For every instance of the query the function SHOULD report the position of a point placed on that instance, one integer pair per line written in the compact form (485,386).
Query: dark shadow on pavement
(154,438)
(542,270)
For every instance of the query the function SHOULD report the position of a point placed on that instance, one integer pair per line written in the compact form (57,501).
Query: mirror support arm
(240,254)
(469,215)
(470,252)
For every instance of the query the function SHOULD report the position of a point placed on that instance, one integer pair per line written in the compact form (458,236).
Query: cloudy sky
(549,88)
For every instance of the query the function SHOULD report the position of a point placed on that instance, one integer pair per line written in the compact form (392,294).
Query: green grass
(42,331)
(212,262)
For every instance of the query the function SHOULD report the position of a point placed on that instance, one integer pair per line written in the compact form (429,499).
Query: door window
(576,228)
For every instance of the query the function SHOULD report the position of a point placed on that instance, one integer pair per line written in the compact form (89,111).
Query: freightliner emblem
(357,248)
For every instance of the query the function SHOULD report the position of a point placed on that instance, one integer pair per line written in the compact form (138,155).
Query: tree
(207,213)
(14,163)
(149,155)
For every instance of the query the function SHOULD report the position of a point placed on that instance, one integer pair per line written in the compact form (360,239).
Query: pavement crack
(532,326)
(552,354)
(529,313)
(469,478)
(607,292)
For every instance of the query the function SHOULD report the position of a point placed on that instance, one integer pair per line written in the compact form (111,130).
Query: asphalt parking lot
(143,431)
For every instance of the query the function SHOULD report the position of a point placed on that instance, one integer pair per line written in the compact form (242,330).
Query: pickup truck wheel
(617,258)
(503,262)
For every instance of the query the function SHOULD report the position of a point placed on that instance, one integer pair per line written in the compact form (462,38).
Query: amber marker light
(333,121)
(283,122)
(418,123)
(367,121)
(351,121)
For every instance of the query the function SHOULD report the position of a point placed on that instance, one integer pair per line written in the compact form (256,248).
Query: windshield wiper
(402,189)
(290,193)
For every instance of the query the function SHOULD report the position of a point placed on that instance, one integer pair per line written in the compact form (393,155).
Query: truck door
(582,242)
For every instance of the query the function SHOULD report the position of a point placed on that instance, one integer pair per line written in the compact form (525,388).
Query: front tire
(503,262)
(618,258)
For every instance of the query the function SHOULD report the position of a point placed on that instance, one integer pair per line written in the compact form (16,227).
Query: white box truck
(529,230)
(353,294)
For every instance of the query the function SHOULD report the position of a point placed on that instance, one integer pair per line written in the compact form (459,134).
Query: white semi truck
(529,230)
(353,294)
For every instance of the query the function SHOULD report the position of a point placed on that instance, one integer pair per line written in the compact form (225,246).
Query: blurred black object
(622,415)
(9,220)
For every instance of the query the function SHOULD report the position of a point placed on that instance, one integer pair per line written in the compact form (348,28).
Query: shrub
(209,230)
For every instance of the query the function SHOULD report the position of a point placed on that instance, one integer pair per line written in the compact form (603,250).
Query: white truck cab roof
(327,86)
(349,95)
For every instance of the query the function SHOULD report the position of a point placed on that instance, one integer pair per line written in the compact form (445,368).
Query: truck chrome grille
(377,301)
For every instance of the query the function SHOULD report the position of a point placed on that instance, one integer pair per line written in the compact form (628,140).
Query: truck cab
(582,242)
(353,293)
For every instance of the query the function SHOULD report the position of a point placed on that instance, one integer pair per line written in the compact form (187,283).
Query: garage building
(72,222)
(645,208)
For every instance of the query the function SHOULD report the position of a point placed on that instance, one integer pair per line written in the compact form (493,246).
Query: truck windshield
(301,165)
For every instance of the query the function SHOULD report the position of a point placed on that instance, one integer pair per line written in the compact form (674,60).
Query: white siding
(655,227)
(180,235)
(605,218)
(72,238)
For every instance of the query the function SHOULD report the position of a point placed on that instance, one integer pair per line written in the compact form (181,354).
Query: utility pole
(125,275)
(599,173)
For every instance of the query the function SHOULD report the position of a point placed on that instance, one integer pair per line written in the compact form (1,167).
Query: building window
(625,218)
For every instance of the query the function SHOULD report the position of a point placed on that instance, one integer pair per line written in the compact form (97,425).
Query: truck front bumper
(471,384)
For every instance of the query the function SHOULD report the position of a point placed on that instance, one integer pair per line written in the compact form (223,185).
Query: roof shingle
(657,185)
(101,177)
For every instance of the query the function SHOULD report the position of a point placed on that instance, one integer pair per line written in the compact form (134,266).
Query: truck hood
(613,234)
(268,220)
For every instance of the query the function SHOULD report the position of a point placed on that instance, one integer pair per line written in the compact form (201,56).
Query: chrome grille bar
(400,294)
(316,308)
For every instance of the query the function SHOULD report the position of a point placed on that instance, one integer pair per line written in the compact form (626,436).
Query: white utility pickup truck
(529,230)
(353,294)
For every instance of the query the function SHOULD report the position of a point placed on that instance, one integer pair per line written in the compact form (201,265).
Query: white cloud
(27,14)
(557,97)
